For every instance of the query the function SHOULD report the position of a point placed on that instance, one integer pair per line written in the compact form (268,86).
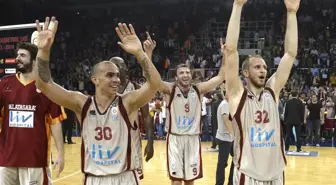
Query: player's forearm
(149,54)
(291,39)
(57,134)
(42,68)
(149,128)
(151,74)
(234,27)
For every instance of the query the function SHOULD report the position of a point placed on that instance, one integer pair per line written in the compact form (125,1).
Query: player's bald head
(119,62)
(101,67)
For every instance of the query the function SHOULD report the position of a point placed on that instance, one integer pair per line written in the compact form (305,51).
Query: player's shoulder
(8,78)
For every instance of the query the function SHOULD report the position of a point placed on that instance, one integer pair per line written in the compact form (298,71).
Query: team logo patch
(114,110)
(193,95)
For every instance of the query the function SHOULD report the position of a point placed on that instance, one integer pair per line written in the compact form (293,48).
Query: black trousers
(290,135)
(214,132)
(67,130)
(225,148)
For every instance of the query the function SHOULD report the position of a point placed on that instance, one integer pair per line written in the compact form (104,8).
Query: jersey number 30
(261,117)
(103,133)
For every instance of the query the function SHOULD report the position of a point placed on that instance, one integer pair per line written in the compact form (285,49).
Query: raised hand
(129,40)
(292,5)
(223,46)
(46,35)
(240,2)
(149,44)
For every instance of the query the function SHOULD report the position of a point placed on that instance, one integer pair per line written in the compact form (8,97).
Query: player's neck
(104,100)
(256,91)
(184,89)
(26,77)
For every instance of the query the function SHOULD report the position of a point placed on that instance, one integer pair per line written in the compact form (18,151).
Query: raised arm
(207,86)
(280,77)
(45,38)
(234,85)
(149,46)
(131,44)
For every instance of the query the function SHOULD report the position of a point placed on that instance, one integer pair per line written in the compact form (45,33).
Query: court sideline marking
(67,176)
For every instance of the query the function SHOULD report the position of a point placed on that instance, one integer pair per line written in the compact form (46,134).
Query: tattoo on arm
(145,67)
(43,70)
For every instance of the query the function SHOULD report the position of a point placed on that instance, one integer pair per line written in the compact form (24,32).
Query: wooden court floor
(319,170)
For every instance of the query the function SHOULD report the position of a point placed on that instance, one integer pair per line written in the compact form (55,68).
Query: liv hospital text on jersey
(260,138)
(21,116)
(103,156)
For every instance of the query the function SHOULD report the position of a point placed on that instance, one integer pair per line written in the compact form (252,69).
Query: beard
(183,84)
(24,68)
(256,84)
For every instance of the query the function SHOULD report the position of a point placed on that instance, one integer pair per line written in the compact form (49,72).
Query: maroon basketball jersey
(26,120)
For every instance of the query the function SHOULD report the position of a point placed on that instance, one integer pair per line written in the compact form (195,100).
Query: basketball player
(259,148)
(144,118)
(29,119)
(184,123)
(109,154)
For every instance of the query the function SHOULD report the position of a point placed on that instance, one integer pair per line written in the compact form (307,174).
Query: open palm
(46,35)
(292,5)
(129,40)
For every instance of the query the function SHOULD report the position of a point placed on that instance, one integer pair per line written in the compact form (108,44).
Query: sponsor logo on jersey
(260,138)
(103,156)
(21,107)
(21,119)
(8,89)
(185,122)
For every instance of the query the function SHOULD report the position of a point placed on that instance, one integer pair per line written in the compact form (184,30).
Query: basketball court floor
(317,167)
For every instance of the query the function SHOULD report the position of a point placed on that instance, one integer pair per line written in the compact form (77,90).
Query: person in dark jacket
(214,106)
(294,117)
(67,125)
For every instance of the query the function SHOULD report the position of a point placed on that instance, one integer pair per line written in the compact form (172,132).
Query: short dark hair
(294,94)
(180,66)
(31,48)
(246,62)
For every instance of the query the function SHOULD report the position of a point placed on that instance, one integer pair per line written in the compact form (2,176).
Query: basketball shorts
(125,178)
(241,179)
(137,147)
(184,157)
(25,176)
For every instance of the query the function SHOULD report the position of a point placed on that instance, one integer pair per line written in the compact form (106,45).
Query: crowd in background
(87,36)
